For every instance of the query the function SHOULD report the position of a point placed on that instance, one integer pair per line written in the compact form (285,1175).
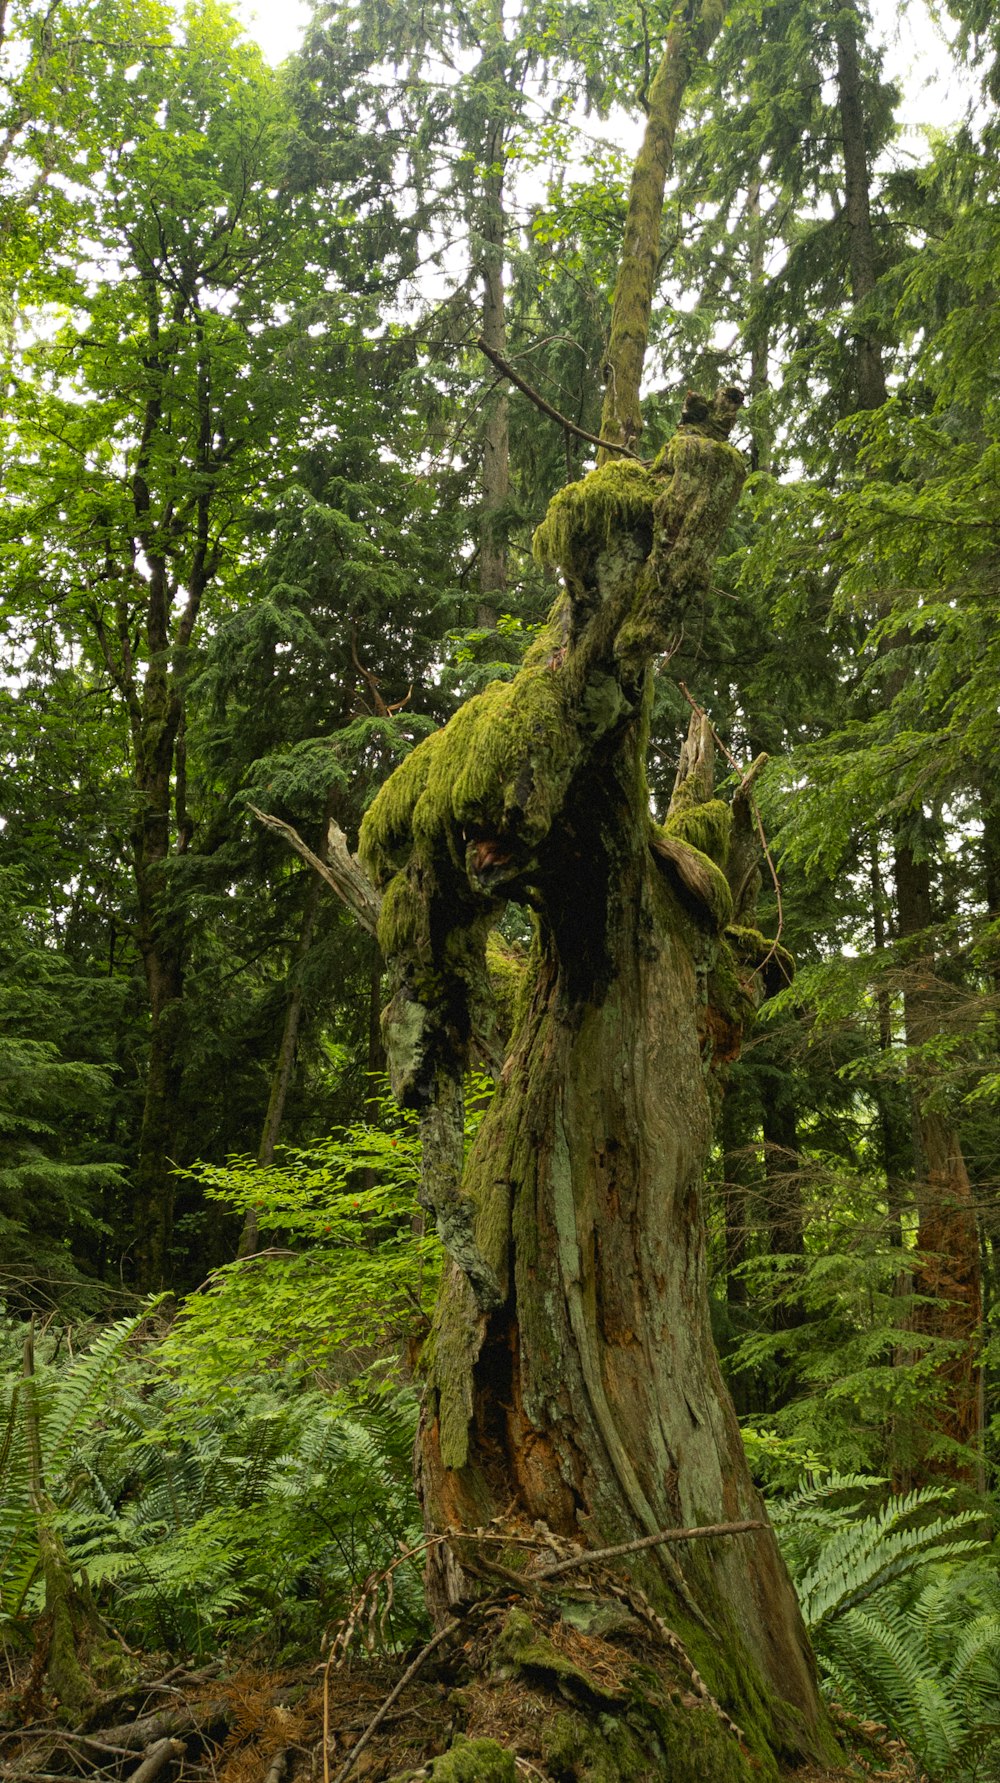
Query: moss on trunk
(572,1383)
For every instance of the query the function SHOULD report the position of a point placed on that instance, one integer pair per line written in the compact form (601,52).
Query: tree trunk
(739,1170)
(284,1064)
(947,1234)
(857,206)
(688,38)
(571,1377)
(161,945)
(495,477)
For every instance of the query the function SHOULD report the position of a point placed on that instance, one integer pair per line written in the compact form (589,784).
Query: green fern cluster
(903,1607)
(65,1401)
(261,1519)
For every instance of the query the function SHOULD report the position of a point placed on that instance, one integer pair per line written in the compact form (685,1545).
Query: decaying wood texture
(571,1380)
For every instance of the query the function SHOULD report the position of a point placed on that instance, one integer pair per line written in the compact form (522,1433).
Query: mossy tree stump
(571,1378)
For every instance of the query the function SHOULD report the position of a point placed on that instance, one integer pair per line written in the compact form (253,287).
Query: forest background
(268,518)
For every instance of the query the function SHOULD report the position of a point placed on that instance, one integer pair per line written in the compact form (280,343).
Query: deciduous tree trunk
(947,1235)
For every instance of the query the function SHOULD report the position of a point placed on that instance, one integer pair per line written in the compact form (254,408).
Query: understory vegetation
(225,1479)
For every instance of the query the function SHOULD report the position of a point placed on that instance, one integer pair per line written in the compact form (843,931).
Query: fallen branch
(506,370)
(157,1758)
(174,1723)
(61,1736)
(591,1556)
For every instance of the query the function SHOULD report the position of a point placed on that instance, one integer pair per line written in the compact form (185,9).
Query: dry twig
(590,1557)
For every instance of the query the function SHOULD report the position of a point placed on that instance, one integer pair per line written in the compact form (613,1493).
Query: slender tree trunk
(760,345)
(741,1181)
(495,478)
(947,1235)
(739,1168)
(161,944)
(284,1064)
(785,1224)
(894,1127)
(857,205)
(621,418)
(947,1232)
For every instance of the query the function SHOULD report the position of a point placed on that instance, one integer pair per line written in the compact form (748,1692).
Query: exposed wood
(156,1759)
(340,869)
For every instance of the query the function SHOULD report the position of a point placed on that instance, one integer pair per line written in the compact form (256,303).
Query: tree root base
(521,1697)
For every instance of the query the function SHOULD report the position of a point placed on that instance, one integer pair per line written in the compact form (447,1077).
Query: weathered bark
(571,1376)
(688,37)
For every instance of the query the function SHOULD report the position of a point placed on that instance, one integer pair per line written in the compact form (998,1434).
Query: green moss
(754,949)
(475,1761)
(384,842)
(705,826)
(727,991)
(584,518)
(685,450)
(620,1731)
(578,1750)
(507,967)
(507,775)
(400,917)
(525,1652)
(693,874)
(448,1359)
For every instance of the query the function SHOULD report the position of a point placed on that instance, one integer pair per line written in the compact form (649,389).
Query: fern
(262,1519)
(905,1623)
(66,1402)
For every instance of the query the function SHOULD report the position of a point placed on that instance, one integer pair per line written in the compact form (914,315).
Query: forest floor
(255,1724)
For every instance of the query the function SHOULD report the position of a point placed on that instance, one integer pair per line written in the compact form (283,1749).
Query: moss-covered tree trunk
(571,1378)
(692,32)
